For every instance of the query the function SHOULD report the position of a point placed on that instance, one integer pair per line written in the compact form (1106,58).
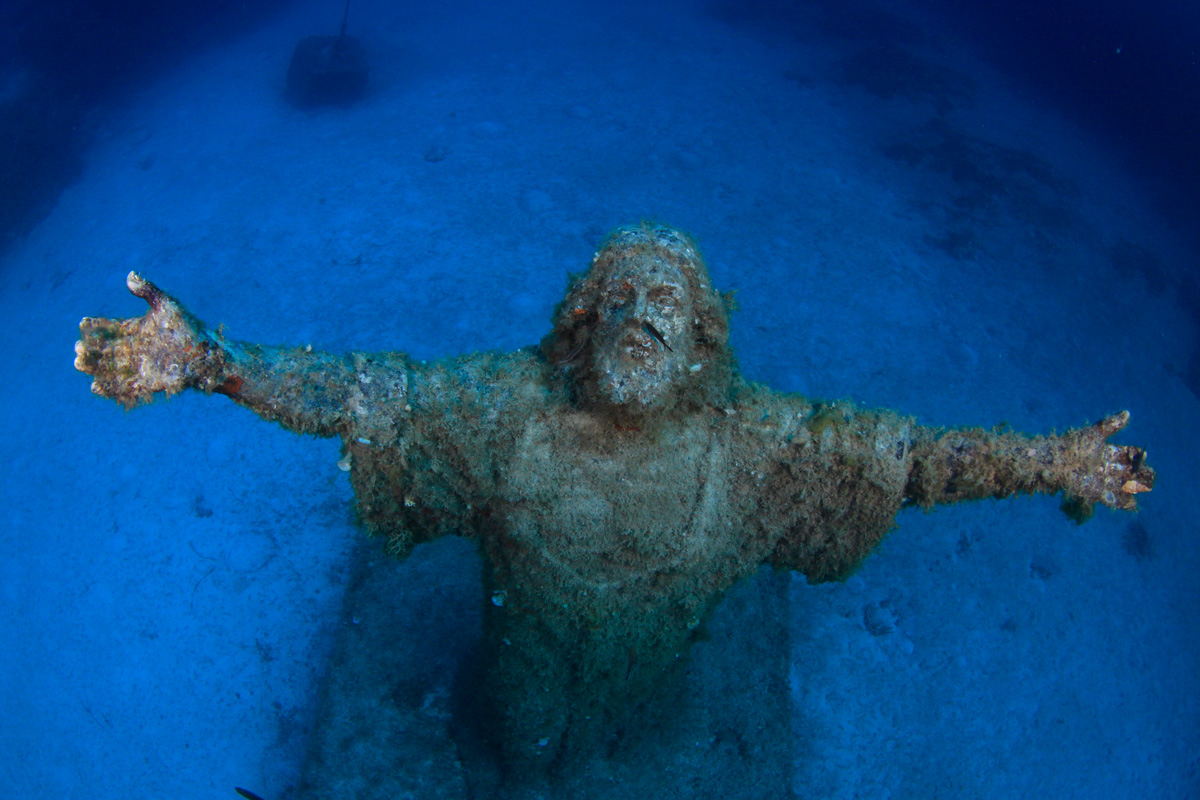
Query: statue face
(641,343)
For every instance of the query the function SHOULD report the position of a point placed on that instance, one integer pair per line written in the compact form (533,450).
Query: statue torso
(605,506)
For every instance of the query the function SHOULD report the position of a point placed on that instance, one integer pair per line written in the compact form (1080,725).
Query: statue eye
(620,295)
(664,299)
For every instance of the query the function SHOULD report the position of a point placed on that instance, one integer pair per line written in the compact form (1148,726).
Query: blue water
(974,216)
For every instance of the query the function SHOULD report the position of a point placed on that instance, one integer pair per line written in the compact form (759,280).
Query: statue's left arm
(949,465)
(843,474)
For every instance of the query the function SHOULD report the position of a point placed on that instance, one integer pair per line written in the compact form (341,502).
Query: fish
(246,793)
(653,331)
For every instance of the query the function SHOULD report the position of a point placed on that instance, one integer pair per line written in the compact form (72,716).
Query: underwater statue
(617,480)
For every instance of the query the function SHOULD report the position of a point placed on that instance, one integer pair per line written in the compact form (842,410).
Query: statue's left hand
(1120,474)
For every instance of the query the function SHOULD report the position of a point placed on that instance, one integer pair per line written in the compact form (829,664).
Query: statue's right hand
(130,360)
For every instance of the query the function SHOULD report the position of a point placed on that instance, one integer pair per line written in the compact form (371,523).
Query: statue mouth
(637,345)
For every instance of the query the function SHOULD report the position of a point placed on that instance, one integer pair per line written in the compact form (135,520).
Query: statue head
(643,329)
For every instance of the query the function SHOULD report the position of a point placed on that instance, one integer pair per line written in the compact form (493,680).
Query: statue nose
(641,306)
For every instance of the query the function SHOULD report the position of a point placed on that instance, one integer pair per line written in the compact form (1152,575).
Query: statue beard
(635,372)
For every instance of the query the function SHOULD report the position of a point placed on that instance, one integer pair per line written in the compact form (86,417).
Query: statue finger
(1145,476)
(1110,425)
(95,327)
(140,287)
(85,358)
(94,335)
(1139,477)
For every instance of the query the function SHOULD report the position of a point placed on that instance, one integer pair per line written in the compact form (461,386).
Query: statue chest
(609,505)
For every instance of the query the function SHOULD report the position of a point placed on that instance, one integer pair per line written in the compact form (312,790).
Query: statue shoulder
(494,380)
(393,391)
(788,427)
(761,412)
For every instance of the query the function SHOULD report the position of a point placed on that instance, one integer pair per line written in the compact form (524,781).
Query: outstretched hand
(1121,474)
(167,350)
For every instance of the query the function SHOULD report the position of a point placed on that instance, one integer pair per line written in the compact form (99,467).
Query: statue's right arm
(169,350)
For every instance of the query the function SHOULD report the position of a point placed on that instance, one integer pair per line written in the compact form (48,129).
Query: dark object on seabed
(327,70)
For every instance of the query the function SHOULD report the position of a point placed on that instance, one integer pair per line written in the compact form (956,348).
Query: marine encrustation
(617,480)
